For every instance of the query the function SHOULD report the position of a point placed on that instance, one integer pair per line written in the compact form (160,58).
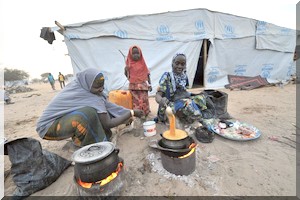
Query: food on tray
(245,131)
(238,130)
(222,125)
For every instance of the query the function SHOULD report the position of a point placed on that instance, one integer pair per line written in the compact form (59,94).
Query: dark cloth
(33,169)
(204,135)
(245,82)
(46,34)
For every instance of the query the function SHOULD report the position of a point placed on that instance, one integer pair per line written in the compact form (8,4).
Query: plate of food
(235,130)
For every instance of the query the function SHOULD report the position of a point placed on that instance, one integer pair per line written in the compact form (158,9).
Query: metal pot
(172,152)
(98,170)
(95,162)
(175,144)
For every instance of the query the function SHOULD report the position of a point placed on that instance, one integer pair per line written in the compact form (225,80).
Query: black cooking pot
(98,170)
(173,152)
(176,144)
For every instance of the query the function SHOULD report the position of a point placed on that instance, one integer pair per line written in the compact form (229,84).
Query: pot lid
(93,152)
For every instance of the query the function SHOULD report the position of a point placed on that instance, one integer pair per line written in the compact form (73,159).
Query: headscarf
(74,96)
(138,70)
(176,55)
(179,80)
(99,79)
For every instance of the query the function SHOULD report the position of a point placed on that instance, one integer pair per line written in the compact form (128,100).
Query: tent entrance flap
(199,75)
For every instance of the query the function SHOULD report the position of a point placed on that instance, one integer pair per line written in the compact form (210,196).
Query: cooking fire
(178,149)
(103,181)
(98,170)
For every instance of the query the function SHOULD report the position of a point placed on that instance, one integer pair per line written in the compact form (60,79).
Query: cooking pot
(172,152)
(176,144)
(95,162)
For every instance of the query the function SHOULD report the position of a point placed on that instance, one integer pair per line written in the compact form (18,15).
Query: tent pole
(204,59)
(62,28)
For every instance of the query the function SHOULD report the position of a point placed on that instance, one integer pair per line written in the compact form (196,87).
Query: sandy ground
(262,167)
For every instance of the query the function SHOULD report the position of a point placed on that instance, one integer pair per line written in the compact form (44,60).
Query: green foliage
(69,76)
(15,74)
(36,80)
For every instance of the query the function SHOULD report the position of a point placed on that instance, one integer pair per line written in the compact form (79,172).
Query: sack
(220,101)
(33,169)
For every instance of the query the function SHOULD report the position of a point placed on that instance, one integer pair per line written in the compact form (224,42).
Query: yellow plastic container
(121,98)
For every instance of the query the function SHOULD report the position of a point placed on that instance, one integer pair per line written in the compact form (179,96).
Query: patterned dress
(140,99)
(188,108)
(82,125)
(138,74)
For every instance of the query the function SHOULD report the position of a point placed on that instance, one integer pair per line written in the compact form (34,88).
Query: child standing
(138,75)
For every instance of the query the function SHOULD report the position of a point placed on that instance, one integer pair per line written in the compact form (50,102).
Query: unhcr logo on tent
(121,34)
(291,69)
(229,32)
(72,36)
(213,74)
(285,31)
(266,70)
(163,31)
(200,34)
(240,70)
(261,27)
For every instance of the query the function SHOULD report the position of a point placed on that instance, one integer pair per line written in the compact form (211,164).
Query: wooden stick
(60,26)
(295,126)
(285,143)
(290,139)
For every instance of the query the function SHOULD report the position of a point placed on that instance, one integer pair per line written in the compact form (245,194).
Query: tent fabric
(230,26)
(239,57)
(239,46)
(105,54)
(269,36)
(190,25)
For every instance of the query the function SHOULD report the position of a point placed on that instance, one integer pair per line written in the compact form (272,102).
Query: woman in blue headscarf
(172,91)
(82,112)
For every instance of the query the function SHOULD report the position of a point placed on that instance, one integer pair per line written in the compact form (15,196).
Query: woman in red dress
(138,75)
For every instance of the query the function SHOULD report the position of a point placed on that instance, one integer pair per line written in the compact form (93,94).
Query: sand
(262,167)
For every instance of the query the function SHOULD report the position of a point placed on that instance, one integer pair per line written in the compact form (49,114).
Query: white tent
(228,44)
